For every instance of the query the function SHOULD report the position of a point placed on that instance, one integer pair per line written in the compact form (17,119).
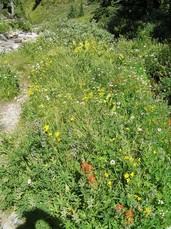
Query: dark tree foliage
(127,16)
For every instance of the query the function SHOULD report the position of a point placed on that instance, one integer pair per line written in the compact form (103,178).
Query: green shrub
(145,31)
(72,12)
(81,12)
(4,27)
(21,24)
(158,66)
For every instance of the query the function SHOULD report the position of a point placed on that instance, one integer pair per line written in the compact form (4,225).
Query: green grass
(93,145)
(9,85)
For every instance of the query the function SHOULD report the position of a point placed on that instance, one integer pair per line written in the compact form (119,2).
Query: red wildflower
(129,214)
(119,207)
(86,167)
(91,178)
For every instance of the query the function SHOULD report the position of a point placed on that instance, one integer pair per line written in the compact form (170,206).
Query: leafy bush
(158,65)
(127,17)
(4,27)
(21,24)
(72,12)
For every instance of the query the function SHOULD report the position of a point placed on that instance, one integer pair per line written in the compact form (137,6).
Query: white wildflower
(112,162)
(29,182)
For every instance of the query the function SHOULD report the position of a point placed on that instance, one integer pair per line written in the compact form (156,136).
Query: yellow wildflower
(131,159)
(46,128)
(135,164)
(154,151)
(57,133)
(30,92)
(72,119)
(101,91)
(132,174)
(126,175)
(138,198)
(148,211)
(128,180)
(106,174)
(109,183)
(139,160)
(126,157)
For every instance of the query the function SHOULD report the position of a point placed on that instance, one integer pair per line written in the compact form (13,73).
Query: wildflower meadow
(92,147)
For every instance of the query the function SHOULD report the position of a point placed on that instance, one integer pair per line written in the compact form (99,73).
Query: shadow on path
(37,214)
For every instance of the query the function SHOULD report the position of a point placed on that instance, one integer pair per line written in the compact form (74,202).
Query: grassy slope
(90,101)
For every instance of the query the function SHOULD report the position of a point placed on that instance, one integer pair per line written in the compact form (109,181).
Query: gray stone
(18,40)
(3,37)
(11,35)
(14,40)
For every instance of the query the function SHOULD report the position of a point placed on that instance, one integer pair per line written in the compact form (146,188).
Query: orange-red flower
(86,167)
(129,214)
(91,178)
(119,208)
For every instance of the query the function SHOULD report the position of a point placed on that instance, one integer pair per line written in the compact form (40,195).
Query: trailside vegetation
(92,148)
(126,18)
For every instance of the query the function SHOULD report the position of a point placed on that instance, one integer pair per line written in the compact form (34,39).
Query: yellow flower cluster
(109,183)
(34,88)
(101,91)
(88,97)
(138,198)
(128,176)
(87,46)
(132,160)
(149,108)
(106,175)
(147,212)
(56,134)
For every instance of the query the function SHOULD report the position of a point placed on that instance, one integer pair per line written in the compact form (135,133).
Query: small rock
(11,35)
(19,40)
(3,37)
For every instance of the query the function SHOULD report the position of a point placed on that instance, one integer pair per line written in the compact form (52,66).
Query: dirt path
(9,118)
(10,111)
